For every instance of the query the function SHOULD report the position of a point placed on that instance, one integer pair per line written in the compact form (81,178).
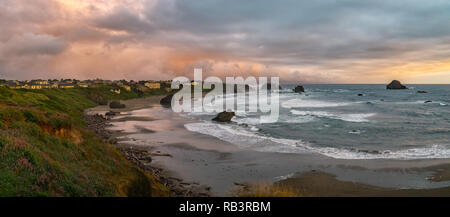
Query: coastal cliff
(45,149)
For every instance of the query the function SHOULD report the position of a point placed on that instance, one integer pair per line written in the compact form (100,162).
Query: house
(142,88)
(40,82)
(83,85)
(13,84)
(153,85)
(67,81)
(35,86)
(54,85)
(126,87)
(24,85)
(66,86)
(116,91)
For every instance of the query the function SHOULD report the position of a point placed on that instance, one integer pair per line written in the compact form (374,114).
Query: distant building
(24,85)
(142,88)
(126,87)
(66,86)
(13,84)
(35,86)
(54,85)
(153,85)
(40,82)
(116,91)
(83,85)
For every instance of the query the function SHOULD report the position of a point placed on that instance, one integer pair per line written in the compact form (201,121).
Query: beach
(213,167)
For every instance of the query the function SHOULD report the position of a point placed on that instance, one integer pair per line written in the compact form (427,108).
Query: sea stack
(395,85)
(224,117)
(299,89)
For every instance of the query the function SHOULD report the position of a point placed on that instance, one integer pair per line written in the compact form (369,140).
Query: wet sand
(319,184)
(203,159)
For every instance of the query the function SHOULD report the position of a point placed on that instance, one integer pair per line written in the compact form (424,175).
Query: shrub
(3,142)
(59,122)
(30,156)
(9,114)
(33,116)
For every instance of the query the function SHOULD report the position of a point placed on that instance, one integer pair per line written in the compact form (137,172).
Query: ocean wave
(302,103)
(255,141)
(419,102)
(344,117)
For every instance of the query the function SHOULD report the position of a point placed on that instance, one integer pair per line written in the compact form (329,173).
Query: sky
(325,41)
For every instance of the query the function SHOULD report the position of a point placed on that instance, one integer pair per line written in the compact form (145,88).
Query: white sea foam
(344,117)
(299,119)
(280,178)
(302,103)
(264,143)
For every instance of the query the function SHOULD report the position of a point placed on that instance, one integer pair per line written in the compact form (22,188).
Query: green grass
(45,150)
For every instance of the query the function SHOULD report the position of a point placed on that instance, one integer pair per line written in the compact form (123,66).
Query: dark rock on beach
(111,113)
(116,105)
(147,158)
(396,85)
(167,101)
(299,89)
(98,124)
(224,117)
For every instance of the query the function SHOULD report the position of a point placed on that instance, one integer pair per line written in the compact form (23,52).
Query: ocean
(345,122)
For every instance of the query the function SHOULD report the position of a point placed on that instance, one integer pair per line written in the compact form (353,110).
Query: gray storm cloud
(313,41)
(31,44)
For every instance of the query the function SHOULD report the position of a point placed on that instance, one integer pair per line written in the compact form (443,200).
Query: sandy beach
(196,161)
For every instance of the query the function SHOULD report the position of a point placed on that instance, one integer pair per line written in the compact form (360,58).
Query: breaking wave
(258,142)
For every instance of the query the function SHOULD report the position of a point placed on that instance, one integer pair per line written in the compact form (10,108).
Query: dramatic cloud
(30,44)
(348,41)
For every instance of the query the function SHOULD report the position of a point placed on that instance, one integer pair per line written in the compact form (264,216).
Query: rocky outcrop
(116,105)
(224,117)
(299,89)
(395,85)
(111,113)
(167,101)
(98,124)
